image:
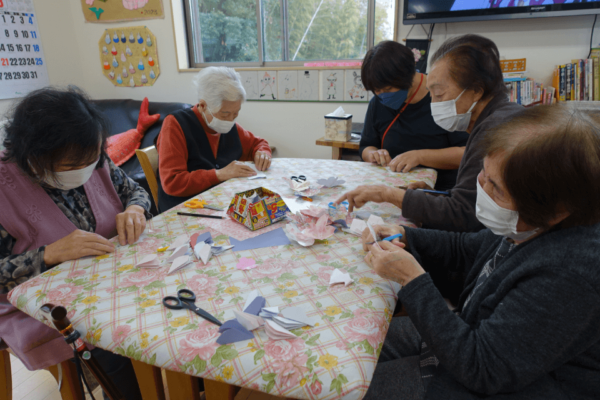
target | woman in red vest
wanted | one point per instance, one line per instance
(61, 198)
(202, 146)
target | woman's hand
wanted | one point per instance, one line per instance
(383, 231)
(406, 161)
(375, 193)
(378, 156)
(130, 225)
(75, 245)
(262, 160)
(235, 169)
(393, 263)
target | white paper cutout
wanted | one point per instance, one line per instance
(203, 252)
(358, 226)
(308, 85)
(179, 241)
(338, 276)
(355, 90)
(178, 252)
(375, 220)
(297, 314)
(287, 84)
(288, 323)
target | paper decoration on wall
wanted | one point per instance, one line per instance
(23, 62)
(121, 10)
(287, 84)
(129, 56)
(355, 91)
(333, 85)
(250, 84)
(267, 85)
(308, 85)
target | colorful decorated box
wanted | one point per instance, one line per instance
(257, 208)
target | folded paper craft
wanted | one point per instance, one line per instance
(150, 261)
(232, 331)
(276, 332)
(248, 321)
(297, 186)
(179, 263)
(250, 298)
(178, 242)
(330, 182)
(338, 276)
(256, 305)
(257, 208)
(178, 252)
(297, 314)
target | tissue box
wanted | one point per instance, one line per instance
(257, 208)
(338, 128)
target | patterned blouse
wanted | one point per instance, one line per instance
(18, 268)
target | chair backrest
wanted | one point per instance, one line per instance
(148, 158)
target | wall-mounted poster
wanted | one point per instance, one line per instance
(267, 85)
(308, 85)
(129, 56)
(332, 82)
(121, 10)
(250, 84)
(355, 91)
(21, 55)
(287, 84)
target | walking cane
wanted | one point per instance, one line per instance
(58, 315)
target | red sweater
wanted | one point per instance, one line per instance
(175, 179)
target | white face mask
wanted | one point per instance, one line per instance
(67, 180)
(444, 114)
(497, 219)
(218, 125)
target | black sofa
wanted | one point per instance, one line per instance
(123, 115)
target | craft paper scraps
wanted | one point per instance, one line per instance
(295, 234)
(245, 264)
(250, 298)
(297, 314)
(297, 186)
(273, 238)
(150, 261)
(310, 192)
(320, 230)
(288, 323)
(178, 242)
(232, 331)
(178, 252)
(331, 182)
(269, 312)
(256, 305)
(338, 276)
(314, 211)
(249, 321)
(276, 332)
(179, 263)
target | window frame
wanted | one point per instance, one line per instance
(193, 47)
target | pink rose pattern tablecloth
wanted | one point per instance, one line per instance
(118, 307)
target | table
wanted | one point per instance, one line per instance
(117, 307)
(337, 148)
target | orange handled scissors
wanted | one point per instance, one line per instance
(197, 203)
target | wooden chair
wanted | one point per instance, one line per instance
(148, 159)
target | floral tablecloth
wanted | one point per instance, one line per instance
(118, 307)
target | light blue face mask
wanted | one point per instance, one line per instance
(393, 100)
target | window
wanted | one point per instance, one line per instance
(285, 32)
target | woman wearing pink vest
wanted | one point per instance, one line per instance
(61, 198)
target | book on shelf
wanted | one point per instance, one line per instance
(579, 80)
(528, 92)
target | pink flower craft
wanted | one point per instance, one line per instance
(201, 343)
(245, 263)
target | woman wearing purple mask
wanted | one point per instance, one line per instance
(399, 130)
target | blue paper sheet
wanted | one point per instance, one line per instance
(233, 335)
(269, 239)
(231, 324)
(205, 237)
(257, 304)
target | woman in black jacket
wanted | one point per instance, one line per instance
(527, 325)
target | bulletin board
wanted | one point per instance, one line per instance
(129, 56)
(121, 10)
(21, 55)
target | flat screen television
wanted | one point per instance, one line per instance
(434, 11)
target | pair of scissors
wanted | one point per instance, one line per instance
(299, 179)
(196, 203)
(186, 299)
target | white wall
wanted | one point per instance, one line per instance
(71, 50)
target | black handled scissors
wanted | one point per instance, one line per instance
(298, 179)
(186, 299)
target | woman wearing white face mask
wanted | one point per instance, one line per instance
(467, 93)
(201, 147)
(526, 324)
(61, 198)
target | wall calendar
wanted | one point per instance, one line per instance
(22, 62)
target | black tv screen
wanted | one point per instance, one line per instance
(433, 11)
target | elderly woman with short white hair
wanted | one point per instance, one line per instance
(202, 146)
